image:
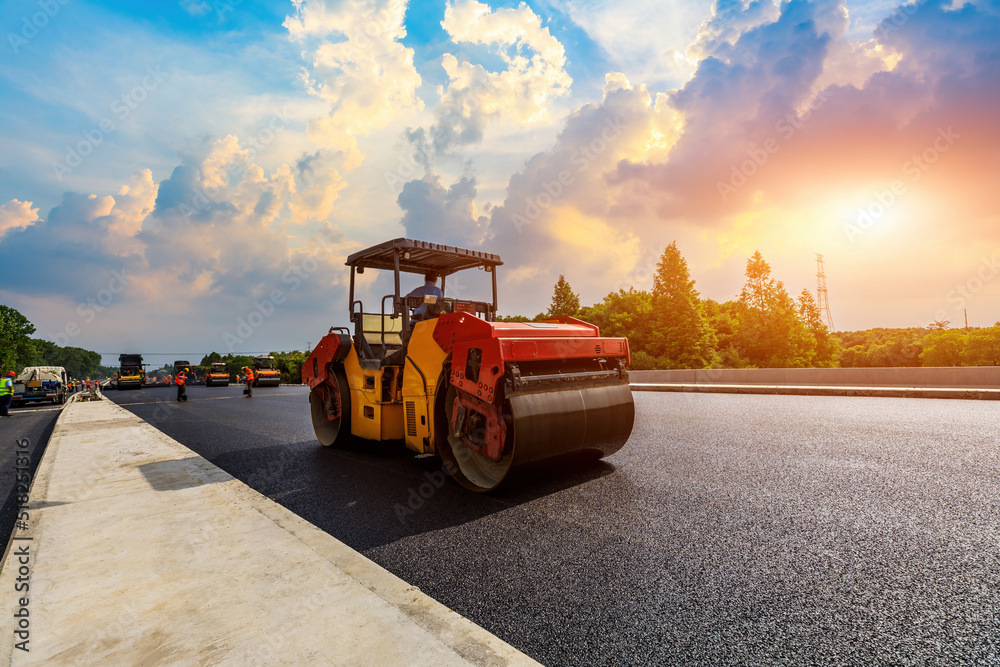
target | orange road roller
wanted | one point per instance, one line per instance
(483, 395)
(265, 374)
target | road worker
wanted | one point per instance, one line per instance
(249, 376)
(181, 381)
(6, 393)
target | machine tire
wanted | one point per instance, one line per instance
(330, 433)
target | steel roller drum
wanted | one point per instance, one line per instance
(546, 424)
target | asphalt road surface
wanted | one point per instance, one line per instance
(731, 529)
(32, 423)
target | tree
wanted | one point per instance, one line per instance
(79, 363)
(17, 350)
(826, 351)
(760, 291)
(564, 302)
(880, 347)
(724, 320)
(210, 358)
(681, 336)
(982, 347)
(771, 333)
(943, 348)
(290, 365)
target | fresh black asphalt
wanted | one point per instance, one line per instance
(22, 435)
(730, 530)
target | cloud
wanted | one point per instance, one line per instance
(562, 216)
(16, 215)
(196, 7)
(730, 19)
(521, 93)
(834, 113)
(357, 64)
(447, 215)
(318, 188)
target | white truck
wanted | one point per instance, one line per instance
(40, 383)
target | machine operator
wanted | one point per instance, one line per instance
(429, 288)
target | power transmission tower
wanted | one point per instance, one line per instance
(822, 298)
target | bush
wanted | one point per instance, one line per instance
(643, 361)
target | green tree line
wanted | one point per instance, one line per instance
(671, 326)
(18, 349)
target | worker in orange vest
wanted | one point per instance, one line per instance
(181, 381)
(249, 374)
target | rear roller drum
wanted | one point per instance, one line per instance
(331, 411)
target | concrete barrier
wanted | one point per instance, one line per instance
(966, 377)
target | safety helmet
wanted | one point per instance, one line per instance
(11, 374)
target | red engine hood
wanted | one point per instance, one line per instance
(459, 327)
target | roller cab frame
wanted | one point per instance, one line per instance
(483, 395)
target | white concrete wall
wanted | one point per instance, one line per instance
(961, 377)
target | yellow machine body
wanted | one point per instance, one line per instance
(396, 402)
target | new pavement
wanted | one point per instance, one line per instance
(731, 529)
(22, 436)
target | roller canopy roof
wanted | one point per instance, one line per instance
(423, 257)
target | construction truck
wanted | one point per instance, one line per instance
(40, 383)
(484, 396)
(217, 375)
(132, 372)
(265, 374)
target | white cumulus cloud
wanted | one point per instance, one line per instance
(358, 64)
(535, 72)
(15, 215)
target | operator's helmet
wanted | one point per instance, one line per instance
(11, 374)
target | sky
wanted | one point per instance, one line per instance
(184, 177)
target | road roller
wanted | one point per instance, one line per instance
(265, 374)
(442, 375)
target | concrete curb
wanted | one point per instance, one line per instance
(141, 551)
(807, 390)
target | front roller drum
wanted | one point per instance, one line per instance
(535, 426)
(331, 410)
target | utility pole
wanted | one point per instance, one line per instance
(966, 311)
(822, 297)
